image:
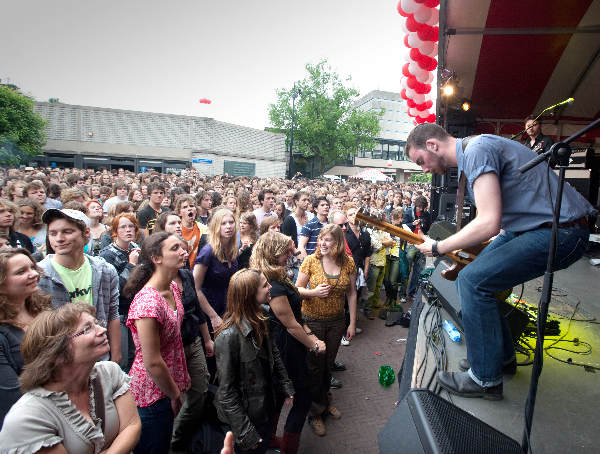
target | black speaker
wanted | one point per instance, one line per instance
(425, 423)
(446, 292)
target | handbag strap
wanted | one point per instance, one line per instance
(99, 401)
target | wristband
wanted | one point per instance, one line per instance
(434, 249)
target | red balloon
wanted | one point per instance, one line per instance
(411, 103)
(403, 94)
(419, 1)
(424, 106)
(428, 33)
(204, 101)
(411, 24)
(420, 120)
(405, 71)
(417, 86)
(431, 118)
(406, 41)
(400, 10)
(425, 62)
(429, 3)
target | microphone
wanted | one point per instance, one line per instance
(562, 103)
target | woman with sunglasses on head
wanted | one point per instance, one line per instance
(270, 255)
(159, 372)
(323, 313)
(73, 403)
(248, 364)
(20, 301)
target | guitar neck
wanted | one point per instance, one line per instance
(392, 229)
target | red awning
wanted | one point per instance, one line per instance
(515, 58)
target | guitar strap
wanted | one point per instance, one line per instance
(462, 184)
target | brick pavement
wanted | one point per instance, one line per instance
(365, 405)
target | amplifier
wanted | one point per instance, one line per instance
(425, 423)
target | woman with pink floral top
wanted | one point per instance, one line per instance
(159, 372)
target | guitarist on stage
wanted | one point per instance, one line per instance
(514, 208)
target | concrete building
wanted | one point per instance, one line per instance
(388, 154)
(93, 137)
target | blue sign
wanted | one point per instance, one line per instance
(202, 161)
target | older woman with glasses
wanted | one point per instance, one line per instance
(72, 402)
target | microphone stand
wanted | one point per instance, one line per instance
(560, 152)
(568, 101)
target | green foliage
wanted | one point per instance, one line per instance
(326, 125)
(420, 177)
(21, 129)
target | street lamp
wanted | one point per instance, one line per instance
(295, 93)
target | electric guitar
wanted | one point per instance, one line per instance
(460, 258)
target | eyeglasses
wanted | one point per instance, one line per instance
(367, 199)
(89, 328)
(343, 226)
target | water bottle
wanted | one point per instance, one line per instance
(453, 333)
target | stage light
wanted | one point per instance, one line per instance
(448, 90)
(466, 106)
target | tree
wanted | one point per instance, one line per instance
(326, 125)
(21, 129)
(420, 178)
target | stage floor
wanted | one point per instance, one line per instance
(567, 409)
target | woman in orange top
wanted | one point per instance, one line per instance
(332, 273)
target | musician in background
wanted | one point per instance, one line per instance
(517, 254)
(536, 141)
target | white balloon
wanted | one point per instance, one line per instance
(429, 78)
(419, 99)
(413, 40)
(424, 77)
(403, 25)
(427, 47)
(409, 6)
(403, 83)
(413, 67)
(422, 14)
(423, 113)
(435, 17)
(410, 93)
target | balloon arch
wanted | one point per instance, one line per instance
(420, 23)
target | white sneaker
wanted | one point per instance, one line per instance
(358, 331)
(344, 341)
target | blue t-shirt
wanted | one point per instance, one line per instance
(311, 230)
(525, 197)
(216, 279)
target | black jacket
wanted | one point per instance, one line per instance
(246, 393)
(360, 247)
(289, 228)
(17, 239)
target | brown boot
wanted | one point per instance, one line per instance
(290, 443)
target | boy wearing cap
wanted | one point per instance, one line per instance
(70, 275)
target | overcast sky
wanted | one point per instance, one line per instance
(163, 56)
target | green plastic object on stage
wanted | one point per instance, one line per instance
(386, 375)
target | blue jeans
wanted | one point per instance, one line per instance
(157, 427)
(417, 261)
(511, 259)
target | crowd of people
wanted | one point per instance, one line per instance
(124, 297)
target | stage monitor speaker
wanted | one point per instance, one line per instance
(448, 296)
(440, 230)
(446, 291)
(425, 423)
